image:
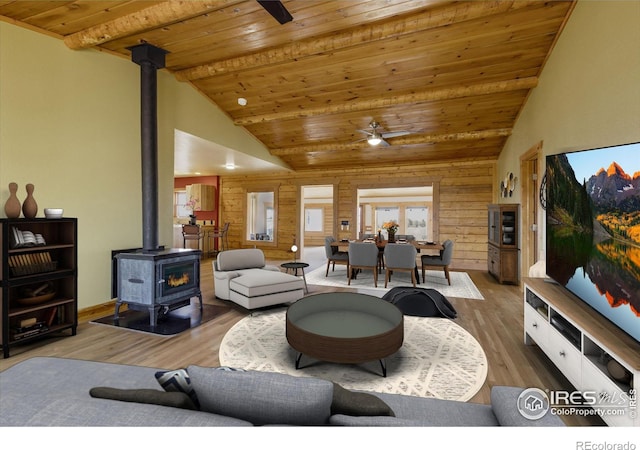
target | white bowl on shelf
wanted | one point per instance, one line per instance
(53, 213)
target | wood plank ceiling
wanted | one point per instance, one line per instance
(454, 74)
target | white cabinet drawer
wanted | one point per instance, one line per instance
(565, 356)
(536, 327)
(594, 380)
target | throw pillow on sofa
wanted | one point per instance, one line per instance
(263, 398)
(150, 396)
(179, 381)
(351, 403)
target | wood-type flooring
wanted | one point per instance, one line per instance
(496, 322)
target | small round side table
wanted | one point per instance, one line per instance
(294, 266)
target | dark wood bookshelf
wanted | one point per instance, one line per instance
(24, 268)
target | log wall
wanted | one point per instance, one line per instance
(461, 192)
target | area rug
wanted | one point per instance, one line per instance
(437, 359)
(461, 284)
(169, 324)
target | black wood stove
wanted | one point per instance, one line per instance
(159, 281)
(153, 278)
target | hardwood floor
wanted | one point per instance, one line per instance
(496, 322)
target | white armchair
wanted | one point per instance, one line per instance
(243, 277)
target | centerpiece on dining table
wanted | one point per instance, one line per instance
(391, 228)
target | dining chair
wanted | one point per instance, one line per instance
(364, 236)
(191, 233)
(442, 260)
(334, 255)
(400, 258)
(363, 256)
(405, 237)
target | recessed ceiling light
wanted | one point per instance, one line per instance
(230, 166)
(242, 101)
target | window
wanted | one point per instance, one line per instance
(313, 219)
(386, 215)
(414, 208)
(416, 222)
(179, 202)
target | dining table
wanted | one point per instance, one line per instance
(432, 247)
(419, 245)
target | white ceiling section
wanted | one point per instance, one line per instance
(194, 156)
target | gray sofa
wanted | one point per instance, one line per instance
(46, 391)
(243, 277)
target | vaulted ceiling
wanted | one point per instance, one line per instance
(452, 75)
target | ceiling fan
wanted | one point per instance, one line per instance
(376, 136)
(277, 10)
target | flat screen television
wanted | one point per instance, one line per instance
(593, 230)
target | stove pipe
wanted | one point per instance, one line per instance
(150, 59)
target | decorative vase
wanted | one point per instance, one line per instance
(29, 206)
(392, 236)
(12, 207)
(192, 219)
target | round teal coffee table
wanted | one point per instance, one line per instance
(344, 327)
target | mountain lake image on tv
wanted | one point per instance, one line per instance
(593, 230)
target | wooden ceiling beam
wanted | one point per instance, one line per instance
(406, 140)
(147, 19)
(432, 18)
(384, 102)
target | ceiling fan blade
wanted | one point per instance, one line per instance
(368, 133)
(393, 134)
(384, 143)
(277, 10)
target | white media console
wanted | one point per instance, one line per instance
(582, 344)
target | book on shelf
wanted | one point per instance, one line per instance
(28, 322)
(51, 315)
(25, 332)
(25, 328)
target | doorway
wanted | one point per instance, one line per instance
(317, 220)
(531, 175)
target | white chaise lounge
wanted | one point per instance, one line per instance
(243, 277)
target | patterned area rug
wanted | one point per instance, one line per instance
(438, 358)
(461, 284)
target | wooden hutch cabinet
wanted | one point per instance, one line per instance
(503, 259)
(38, 276)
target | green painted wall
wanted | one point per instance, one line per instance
(70, 124)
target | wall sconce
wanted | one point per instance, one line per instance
(508, 185)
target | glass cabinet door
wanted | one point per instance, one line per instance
(494, 226)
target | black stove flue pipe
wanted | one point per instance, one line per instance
(150, 59)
